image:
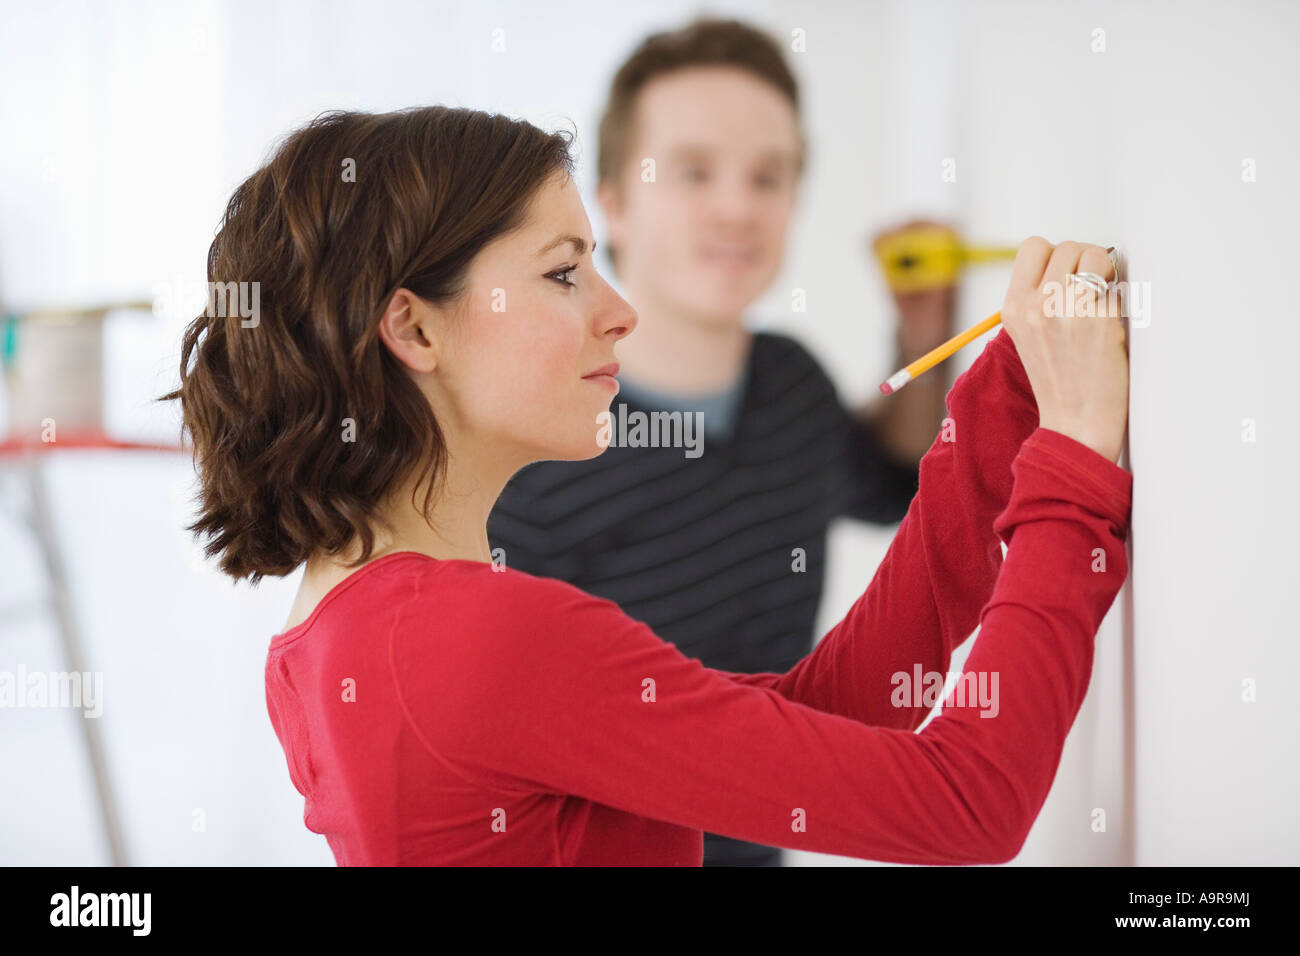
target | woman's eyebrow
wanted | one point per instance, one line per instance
(579, 245)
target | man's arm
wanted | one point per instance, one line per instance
(886, 438)
(906, 422)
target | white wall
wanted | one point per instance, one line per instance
(1216, 518)
(121, 153)
(1143, 146)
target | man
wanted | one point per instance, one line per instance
(719, 548)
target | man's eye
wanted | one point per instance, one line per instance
(558, 274)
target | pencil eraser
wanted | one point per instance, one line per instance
(884, 388)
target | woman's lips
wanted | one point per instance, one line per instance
(604, 376)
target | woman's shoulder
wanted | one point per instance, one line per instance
(494, 596)
(468, 626)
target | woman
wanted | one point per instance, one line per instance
(430, 322)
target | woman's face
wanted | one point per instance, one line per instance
(514, 373)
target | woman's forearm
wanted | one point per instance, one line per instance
(926, 596)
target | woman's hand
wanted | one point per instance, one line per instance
(1077, 362)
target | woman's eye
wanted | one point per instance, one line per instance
(559, 273)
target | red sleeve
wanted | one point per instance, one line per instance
(939, 571)
(530, 684)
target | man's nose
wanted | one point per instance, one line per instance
(733, 198)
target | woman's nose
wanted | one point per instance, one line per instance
(618, 318)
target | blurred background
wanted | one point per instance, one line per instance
(1166, 129)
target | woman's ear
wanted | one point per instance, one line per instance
(408, 327)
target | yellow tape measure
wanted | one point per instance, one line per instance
(930, 257)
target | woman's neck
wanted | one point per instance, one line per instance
(456, 528)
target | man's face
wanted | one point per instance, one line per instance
(706, 237)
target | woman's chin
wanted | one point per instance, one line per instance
(578, 448)
(591, 449)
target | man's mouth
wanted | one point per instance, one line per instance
(743, 256)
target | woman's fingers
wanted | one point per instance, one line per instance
(1078, 375)
(1040, 278)
(1095, 259)
(1031, 261)
(1065, 260)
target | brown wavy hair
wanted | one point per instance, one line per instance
(266, 402)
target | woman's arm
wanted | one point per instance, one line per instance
(530, 684)
(926, 596)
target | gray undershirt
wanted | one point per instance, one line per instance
(720, 409)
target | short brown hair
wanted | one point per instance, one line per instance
(266, 404)
(706, 41)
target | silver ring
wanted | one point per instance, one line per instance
(1090, 279)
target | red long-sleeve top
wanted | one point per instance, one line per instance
(443, 712)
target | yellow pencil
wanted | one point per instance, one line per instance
(933, 357)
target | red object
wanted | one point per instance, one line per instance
(93, 439)
(500, 718)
